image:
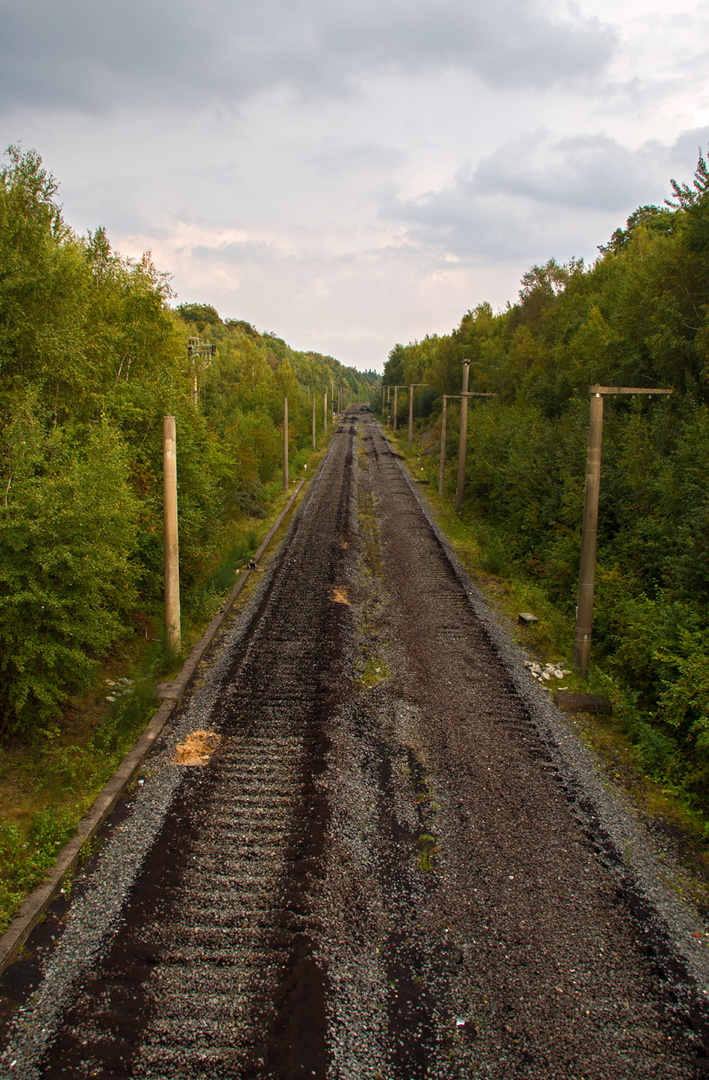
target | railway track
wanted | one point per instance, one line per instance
(379, 873)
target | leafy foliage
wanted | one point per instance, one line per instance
(639, 316)
(91, 358)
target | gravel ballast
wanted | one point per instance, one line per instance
(399, 861)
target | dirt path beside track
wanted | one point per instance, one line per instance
(382, 871)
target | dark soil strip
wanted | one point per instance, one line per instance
(200, 968)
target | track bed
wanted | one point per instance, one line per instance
(378, 873)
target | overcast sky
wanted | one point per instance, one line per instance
(355, 174)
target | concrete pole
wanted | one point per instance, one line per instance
(589, 535)
(411, 416)
(173, 639)
(463, 443)
(285, 444)
(313, 419)
(324, 411)
(396, 404)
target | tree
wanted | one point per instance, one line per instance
(685, 197)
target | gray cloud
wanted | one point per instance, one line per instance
(236, 253)
(682, 156)
(337, 156)
(471, 229)
(526, 198)
(96, 56)
(588, 171)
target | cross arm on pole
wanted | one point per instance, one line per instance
(626, 390)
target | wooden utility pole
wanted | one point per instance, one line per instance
(442, 464)
(285, 444)
(589, 529)
(173, 639)
(397, 388)
(463, 441)
(324, 411)
(313, 419)
(411, 411)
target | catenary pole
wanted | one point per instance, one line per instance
(589, 537)
(589, 528)
(285, 444)
(463, 441)
(173, 639)
(442, 463)
(397, 388)
(411, 411)
(411, 416)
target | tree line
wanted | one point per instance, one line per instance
(638, 316)
(91, 357)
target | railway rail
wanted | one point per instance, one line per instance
(390, 866)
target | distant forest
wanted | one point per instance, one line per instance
(639, 316)
(91, 358)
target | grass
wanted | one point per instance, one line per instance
(623, 743)
(428, 850)
(372, 668)
(46, 787)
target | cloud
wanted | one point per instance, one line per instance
(98, 56)
(683, 155)
(236, 253)
(540, 196)
(590, 171)
(335, 155)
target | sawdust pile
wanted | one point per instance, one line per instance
(197, 748)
